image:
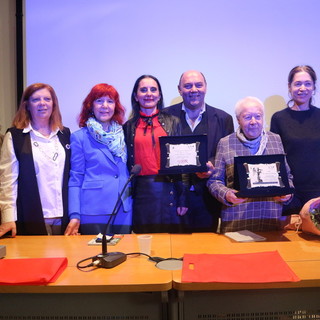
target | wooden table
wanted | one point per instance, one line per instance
(135, 288)
(286, 300)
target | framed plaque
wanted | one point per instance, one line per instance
(261, 176)
(183, 154)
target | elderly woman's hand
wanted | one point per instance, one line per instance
(8, 226)
(285, 198)
(232, 198)
(73, 228)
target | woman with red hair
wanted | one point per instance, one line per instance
(98, 166)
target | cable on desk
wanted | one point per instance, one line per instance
(154, 259)
(93, 265)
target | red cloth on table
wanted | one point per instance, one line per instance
(38, 271)
(237, 268)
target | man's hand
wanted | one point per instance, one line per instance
(8, 226)
(204, 175)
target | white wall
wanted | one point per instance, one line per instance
(243, 47)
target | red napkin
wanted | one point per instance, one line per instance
(37, 271)
(237, 268)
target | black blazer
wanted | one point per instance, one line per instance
(220, 124)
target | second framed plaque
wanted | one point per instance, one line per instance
(261, 176)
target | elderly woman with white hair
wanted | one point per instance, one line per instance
(254, 214)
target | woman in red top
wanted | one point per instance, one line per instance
(159, 203)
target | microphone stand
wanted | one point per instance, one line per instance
(112, 259)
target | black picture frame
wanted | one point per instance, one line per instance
(261, 176)
(197, 143)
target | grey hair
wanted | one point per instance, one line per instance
(241, 103)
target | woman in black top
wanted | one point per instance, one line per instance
(299, 128)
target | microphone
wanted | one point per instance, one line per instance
(136, 169)
(112, 259)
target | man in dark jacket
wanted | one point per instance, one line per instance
(199, 118)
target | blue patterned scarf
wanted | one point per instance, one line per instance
(113, 138)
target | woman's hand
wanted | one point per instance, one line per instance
(73, 228)
(232, 198)
(182, 211)
(8, 226)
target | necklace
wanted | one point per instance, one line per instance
(45, 152)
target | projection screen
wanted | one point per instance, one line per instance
(243, 47)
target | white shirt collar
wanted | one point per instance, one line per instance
(30, 128)
(203, 108)
(194, 124)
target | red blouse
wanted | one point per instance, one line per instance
(146, 144)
